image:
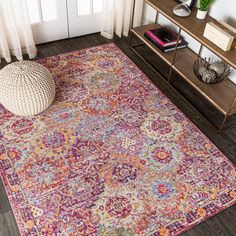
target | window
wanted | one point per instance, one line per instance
(42, 10)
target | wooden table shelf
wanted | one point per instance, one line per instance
(193, 27)
(221, 95)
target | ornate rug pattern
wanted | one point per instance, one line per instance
(111, 156)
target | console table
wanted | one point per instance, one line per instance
(222, 95)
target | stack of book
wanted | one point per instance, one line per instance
(165, 39)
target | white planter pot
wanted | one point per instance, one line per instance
(201, 14)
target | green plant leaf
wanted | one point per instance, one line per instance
(205, 4)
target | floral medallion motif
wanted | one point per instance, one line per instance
(128, 118)
(14, 153)
(118, 207)
(22, 129)
(54, 140)
(165, 158)
(124, 172)
(162, 155)
(22, 126)
(103, 83)
(142, 225)
(55, 143)
(163, 189)
(161, 126)
(158, 127)
(43, 174)
(62, 116)
(70, 93)
(137, 102)
(107, 63)
(98, 105)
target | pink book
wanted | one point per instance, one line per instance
(167, 41)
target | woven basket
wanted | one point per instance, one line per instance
(26, 88)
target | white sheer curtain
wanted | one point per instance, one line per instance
(117, 15)
(15, 32)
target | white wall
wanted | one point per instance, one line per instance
(221, 10)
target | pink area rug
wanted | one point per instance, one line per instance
(111, 156)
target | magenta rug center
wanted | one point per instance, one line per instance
(111, 156)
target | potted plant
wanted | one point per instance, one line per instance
(203, 8)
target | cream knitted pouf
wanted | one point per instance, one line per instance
(26, 88)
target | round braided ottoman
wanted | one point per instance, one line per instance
(26, 88)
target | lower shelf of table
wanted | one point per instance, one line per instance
(220, 95)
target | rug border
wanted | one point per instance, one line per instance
(19, 224)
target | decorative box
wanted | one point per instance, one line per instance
(221, 34)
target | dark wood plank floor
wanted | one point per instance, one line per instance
(222, 224)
